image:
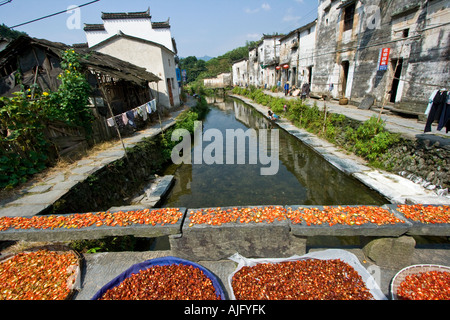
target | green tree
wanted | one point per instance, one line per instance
(70, 102)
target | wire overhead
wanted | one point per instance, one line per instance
(5, 2)
(52, 15)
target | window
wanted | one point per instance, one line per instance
(349, 14)
(405, 33)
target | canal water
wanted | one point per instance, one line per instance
(303, 177)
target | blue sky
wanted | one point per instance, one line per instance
(200, 27)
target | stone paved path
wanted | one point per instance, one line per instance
(408, 127)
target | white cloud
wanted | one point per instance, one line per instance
(265, 6)
(300, 1)
(251, 11)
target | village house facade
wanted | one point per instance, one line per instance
(297, 56)
(122, 86)
(134, 38)
(394, 52)
(268, 59)
(223, 80)
(240, 73)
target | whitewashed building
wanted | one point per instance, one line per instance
(222, 80)
(268, 58)
(240, 73)
(394, 51)
(133, 37)
(297, 55)
(253, 66)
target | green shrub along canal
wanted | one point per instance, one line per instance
(303, 177)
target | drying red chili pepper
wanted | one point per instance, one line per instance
(310, 279)
(171, 282)
(431, 285)
(84, 220)
(358, 215)
(219, 216)
(426, 214)
(40, 275)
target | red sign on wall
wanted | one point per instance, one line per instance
(384, 58)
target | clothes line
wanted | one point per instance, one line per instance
(128, 117)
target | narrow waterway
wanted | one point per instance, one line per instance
(303, 177)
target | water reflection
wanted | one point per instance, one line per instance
(303, 176)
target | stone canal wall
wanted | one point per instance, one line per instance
(419, 168)
(115, 183)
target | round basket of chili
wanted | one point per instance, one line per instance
(167, 278)
(421, 282)
(49, 272)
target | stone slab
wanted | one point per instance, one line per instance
(395, 188)
(93, 232)
(23, 210)
(84, 170)
(40, 189)
(42, 198)
(368, 229)
(424, 229)
(257, 240)
(163, 186)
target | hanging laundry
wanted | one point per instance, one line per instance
(437, 109)
(119, 121)
(110, 122)
(142, 111)
(430, 102)
(124, 118)
(153, 105)
(149, 108)
(130, 116)
(444, 121)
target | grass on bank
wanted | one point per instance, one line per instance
(369, 140)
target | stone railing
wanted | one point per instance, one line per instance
(257, 234)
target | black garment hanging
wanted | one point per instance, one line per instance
(438, 107)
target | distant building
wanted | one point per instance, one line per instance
(396, 51)
(297, 55)
(223, 80)
(268, 58)
(133, 37)
(253, 66)
(240, 73)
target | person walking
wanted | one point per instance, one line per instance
(286, 88)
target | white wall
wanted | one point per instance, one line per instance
(139, 28)
(151, 57)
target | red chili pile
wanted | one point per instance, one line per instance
(426, 214)
(79, 221)
(40, 275)
(431, 285)
(342, 215)
(219, 216)
(172, 282)
(310, 279)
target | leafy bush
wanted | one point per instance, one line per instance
(24, 147)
